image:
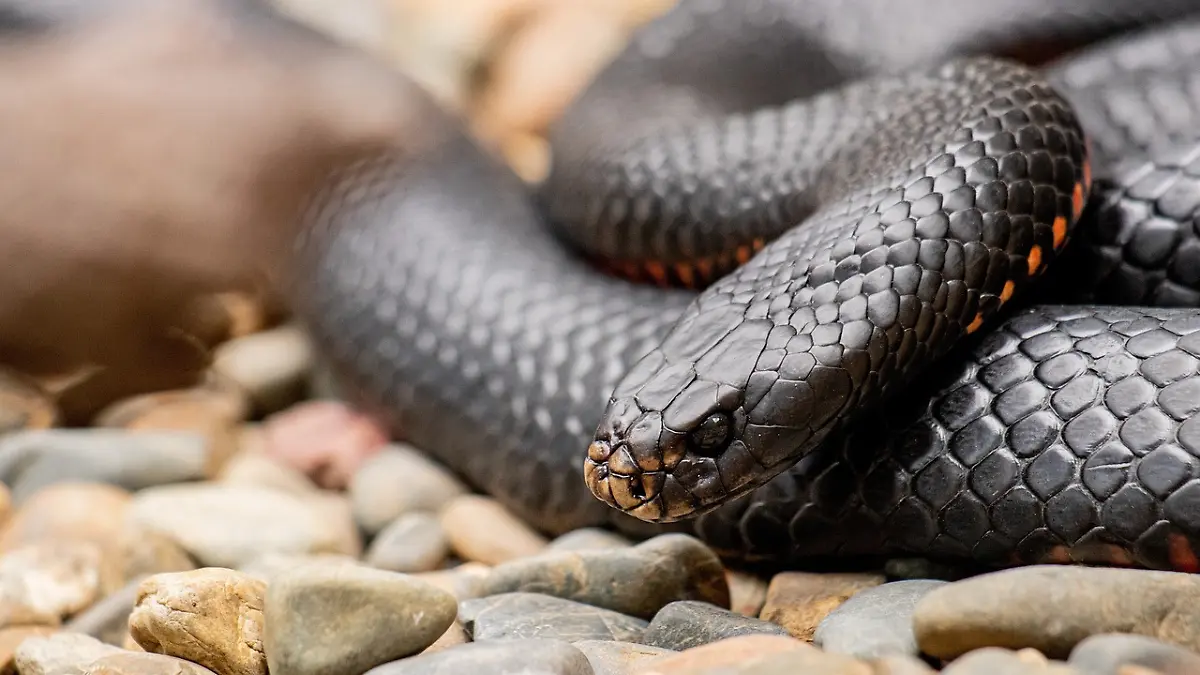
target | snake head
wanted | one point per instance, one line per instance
(720, 408)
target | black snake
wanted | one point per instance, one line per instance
(872, 198)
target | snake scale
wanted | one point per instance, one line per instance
(809, 279)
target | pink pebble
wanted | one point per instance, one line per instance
(327, 440)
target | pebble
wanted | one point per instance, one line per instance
(533, 615)
(270, 366)
(414, 542)
(60, 654)
(32, 460)
(210, 616)
(328, 441)
(398, 480)
(107, 620)
(258, 470)
(1110, 653)
(798, 601)
(142, 663)
(997, 661)
(733, 652)
(619, 658)
(465, 581)
(44, 582)
(140, 552)
(454, 636)
(212, 410)
(638, 580)
(805, 661)
(688, 623)
(231, 525)
(68, 510)
(875, 621)
(11, 638)
(587, 539)
(900, 665)
(747, 593)
(480, 529)
(505, 657)
(345, 619)
(24, 405)
(1052, 608)
(268, 566)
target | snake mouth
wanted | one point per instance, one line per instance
(652, 496)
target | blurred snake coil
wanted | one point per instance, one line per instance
(810, 280)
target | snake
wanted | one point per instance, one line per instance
(807, 280)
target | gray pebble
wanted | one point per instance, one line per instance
(619, 658)
(875, 621)
(1109, 653)
(414, 542)
(271, 366)
(506, 657)
(589, 538)
(108, 619)
(397, 480)
(533, 615)
(31, 460)
(688, 623)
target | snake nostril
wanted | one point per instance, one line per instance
(637, 490)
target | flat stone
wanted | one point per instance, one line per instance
(480, 529)
(346, 619)
(11, 638)
(1111, 653)
(142, 663)
(997, 661)
(414, 542)
(798, 601)
(465, 581)
(588, 539)
(689, 623)
(875, 621)
(108, 619)
(731, 653)
(43, 583)
(271, 366)
(326, 440)
(397, 480)
(258, 470)
(231, 525)
(267, 567)
(505, 657)
(1052, 608)
(210, 616)
(532, 615)
(638, 580)
(747, 592)
(60, 654)
(32, 460)
(619, 658)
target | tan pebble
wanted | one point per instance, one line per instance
(25, 404)
(398, 480)
(454, 636)
(900, 664)
(738, 651)
(129, 644)
(528, 154)
(270, 366)
(798, 601)
(60, 654)
(211, 616)
(141, 663)
(140, 552)
(68, 510)
(257, 469)
(998, 661)
(464, 582)
(544, 66)
(589, 538)
(230, 525)
(44, 582)
(480, 529)
(325, 440)
(11, 638)
(747, 592)
(246, 313)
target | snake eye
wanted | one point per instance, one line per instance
(710, 438)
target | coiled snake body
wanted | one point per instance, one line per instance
(856, 215)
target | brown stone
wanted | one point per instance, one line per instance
(68, 510)
(738, 651)
(747, 592)
(25, 404)
(480, 529)
(211, 616)
(798, 601)
(135, 663)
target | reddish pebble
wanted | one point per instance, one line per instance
(326, 440)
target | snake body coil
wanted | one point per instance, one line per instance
(864, 209)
